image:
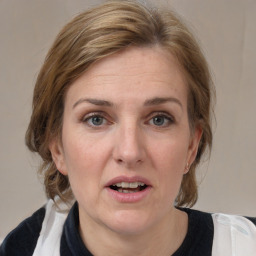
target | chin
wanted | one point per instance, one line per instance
(130, 222)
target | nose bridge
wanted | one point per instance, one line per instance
(129, 148)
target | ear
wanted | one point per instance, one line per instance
(58, 155)
(194, 144)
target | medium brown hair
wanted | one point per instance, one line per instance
(93, 35)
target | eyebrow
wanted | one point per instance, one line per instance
(96, 102)
(149, 102)
(158, 101)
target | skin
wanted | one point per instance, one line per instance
(112, 126)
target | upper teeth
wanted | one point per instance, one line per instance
(128, 184)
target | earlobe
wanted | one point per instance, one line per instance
(58, 156)
(187, 168)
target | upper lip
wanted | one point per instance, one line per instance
(128, 179)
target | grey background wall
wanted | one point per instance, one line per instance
(227, 32)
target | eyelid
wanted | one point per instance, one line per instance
(85, 119)
(92, 114)
(161, 113)
(169, 119)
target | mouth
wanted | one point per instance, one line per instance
(125, 189)
(128, 187)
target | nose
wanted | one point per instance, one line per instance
(129, 149)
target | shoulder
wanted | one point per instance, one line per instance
(220, 234)
(241, 223)
(233, 233)
(52, 228)
(22, 240)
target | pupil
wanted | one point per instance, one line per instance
(158, 120)
(96, 120)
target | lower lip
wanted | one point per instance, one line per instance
(129, 197)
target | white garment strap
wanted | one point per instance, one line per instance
(48, 242)
(233, 236)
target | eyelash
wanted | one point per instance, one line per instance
(90, 116)
(168, 119)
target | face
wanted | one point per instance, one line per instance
(126, 140)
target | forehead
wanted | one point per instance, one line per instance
(145, 71)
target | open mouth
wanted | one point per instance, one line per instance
(128, 187)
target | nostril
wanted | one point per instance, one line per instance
(119, 161)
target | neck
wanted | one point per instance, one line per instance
(164, 238)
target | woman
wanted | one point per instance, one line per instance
(121, 118)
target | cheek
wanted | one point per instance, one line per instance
(169, 161)
(83, 169)
(80, 150)
(170, 154)
(85, 160)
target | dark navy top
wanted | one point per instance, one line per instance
(22, 240)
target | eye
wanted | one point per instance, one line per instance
(161, 120)
(95, 120)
